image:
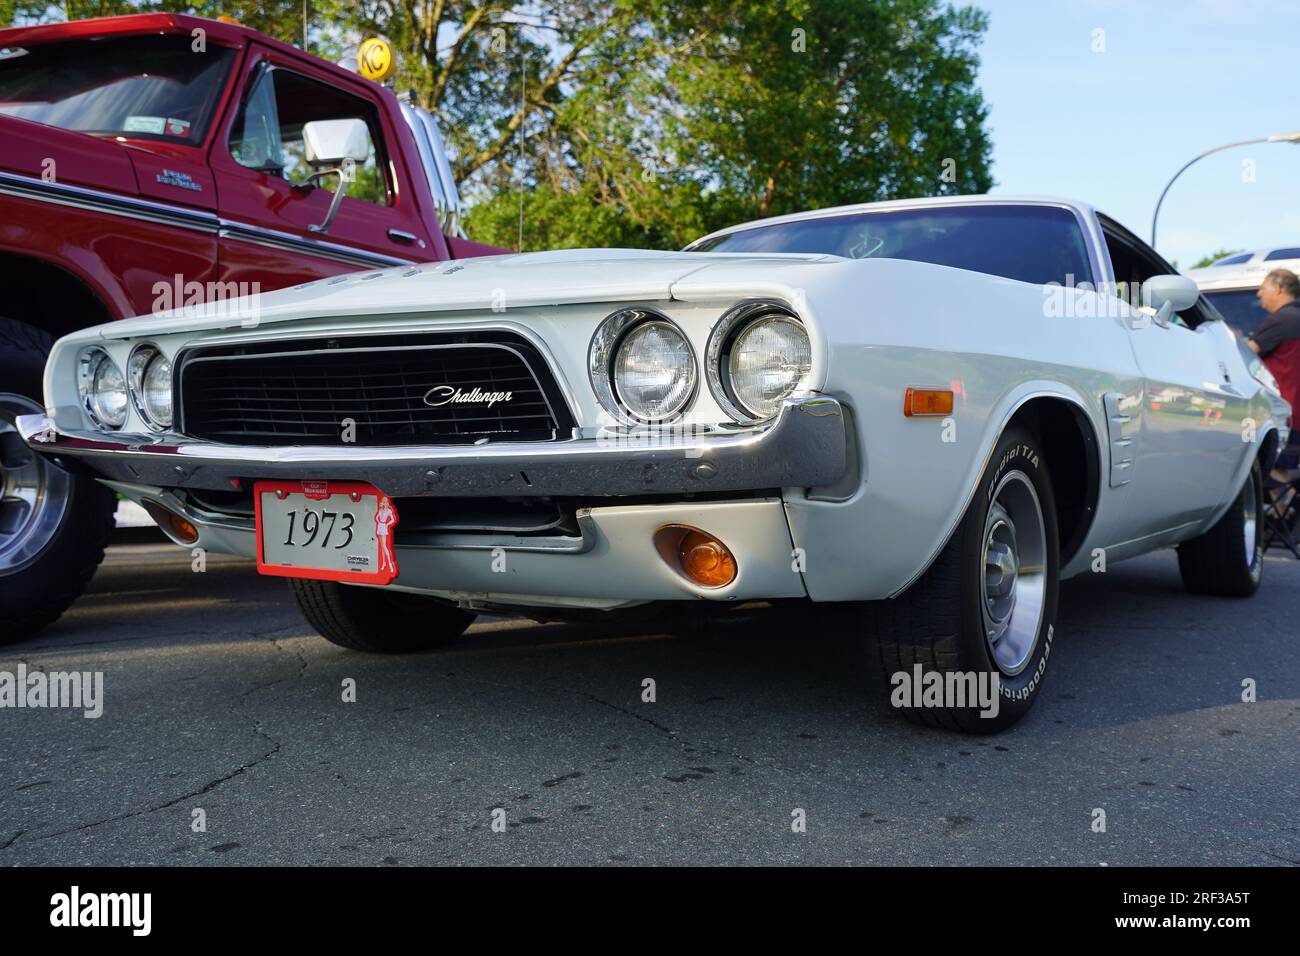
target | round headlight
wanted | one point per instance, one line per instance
(654, 371)
(103, 389)
(150, 374)
(766, 362)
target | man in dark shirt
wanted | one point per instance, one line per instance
(1277, 340)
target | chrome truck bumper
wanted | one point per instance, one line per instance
(804, 447)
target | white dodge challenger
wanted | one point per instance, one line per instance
(926, 412)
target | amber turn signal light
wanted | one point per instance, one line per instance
(705, 560)
(182, 531)
(927, 401)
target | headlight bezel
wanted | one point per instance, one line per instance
(603, 353)
(138, 364)
(717, 363)
(89, 364)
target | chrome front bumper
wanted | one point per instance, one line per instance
(804, 447)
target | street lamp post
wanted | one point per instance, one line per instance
(1278, 138)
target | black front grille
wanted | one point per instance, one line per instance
(302, 392)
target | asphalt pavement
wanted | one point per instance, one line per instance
(226, 738)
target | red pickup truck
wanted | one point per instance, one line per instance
(159, 160)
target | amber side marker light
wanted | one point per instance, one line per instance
(697, 555)
(927, 401)
(181, 530)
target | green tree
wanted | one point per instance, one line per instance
(754, 109)
(651, 122)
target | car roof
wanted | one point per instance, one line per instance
(1248, 274)
(221, 32)
(891, 204)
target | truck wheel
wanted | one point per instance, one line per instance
(1228, 560)
(981, 618)
(54, 524)
(378, 620)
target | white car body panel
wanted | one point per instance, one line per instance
(876, 327)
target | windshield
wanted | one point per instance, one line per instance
(1038, 244)
(1239, 307)
(150, 87)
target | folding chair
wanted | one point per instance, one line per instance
(1282, 505)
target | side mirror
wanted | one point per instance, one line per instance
(1169, 294)
(335, 147)
(333, 142)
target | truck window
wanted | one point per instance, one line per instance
(1037, 244)
(147, 87)
(267, 133)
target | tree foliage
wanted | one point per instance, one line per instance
(651, 122)
(746, 110)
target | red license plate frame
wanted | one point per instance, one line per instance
(386, 570)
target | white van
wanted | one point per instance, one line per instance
(1230, 283)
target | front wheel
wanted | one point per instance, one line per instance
(1228, 560)
(54, 524)
(966, 647)
(378, 620)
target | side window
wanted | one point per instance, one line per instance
(1133, 266)
(255, 139)
(1237, 259)
(267, 134)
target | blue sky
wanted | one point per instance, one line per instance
(1176, 78)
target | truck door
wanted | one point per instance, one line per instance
(268, 207)
(104, 142)
(1189, 442)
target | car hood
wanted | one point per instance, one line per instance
(496, 283)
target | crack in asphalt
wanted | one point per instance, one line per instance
(297, 652)
(275, 643)
(685, 744)
(634, 715)
(206, 788)
(211, 784)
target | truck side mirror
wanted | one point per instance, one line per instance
(331, 142)
(335, 146)
(1168, 294)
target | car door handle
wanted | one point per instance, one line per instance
(399, 235)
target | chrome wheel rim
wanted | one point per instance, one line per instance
(1250, 518)
(1013, 582)
(33, 491)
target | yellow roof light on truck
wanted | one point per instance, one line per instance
(375, 60)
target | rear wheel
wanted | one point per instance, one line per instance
(376, 619)
(1228, 560)
(966, 647)
(54, 524)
